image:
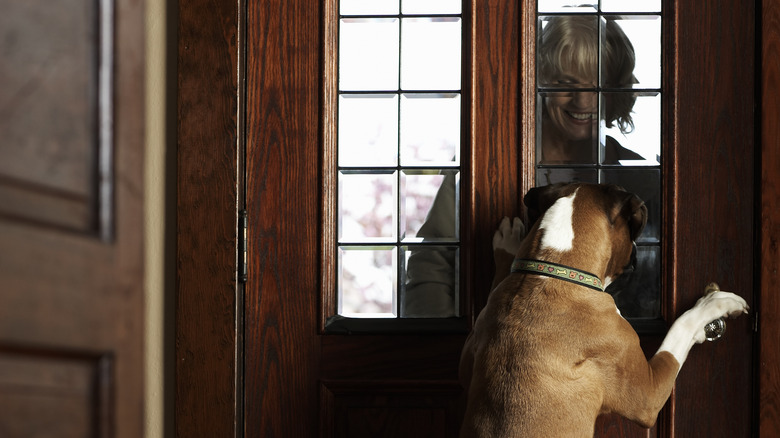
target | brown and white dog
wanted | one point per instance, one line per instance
(548, 355)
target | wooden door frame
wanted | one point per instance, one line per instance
(209, 300)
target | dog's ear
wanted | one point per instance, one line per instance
(635, 211)
(539, 199)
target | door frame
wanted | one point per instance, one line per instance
(209, 298)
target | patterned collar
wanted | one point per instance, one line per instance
(557, 271)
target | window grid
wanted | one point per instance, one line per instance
(398, 243)
(650, 242)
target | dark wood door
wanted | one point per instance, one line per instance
(263, 361)
(71, 219)
(406, 384)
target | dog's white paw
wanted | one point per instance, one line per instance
(718, 304)
(509, 235)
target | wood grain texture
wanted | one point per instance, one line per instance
(206, 304)
(769, 356)
(714, 206)
(283, 192)
(493, 138)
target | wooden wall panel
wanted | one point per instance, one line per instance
(388, 409)
(207, 361)
(283, 205)
(714, 206)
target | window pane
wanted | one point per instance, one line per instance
(631, 6)
(368, 54)
(430, 54)
(638, 295)
(367, 207)
(368, 7)
(368, 130)
(645, 183)
(640, 145)
(430, 282)
(567, 54)
(631, 52)
(430, 129)
(367, 286)
(431, 6)
(567, 6)
(429, 205)
(545, 176)
(567, 127)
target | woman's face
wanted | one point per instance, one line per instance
(574, 115)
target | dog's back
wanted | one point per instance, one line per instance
(533, 361)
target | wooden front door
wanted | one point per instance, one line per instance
(71, 219)
(277, 371)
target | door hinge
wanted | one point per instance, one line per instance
(242, 246)
(755, 321)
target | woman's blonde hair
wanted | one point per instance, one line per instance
(569, 46)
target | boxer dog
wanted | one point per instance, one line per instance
(550, 351)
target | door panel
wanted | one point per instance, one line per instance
(71, 219)
(713, 201)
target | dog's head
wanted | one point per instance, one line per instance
(604, 208)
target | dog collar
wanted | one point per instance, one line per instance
(557, 271)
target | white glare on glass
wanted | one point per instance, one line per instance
(368, 278)
(430, 54)
(368, 7)
(368, 130)
(368, 54)
(631, 6)
(567, 6)
(644, 32)
(367, 207)
(430, 129)
(430, 6)
(645, 139)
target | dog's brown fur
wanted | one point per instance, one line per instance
(546, 356)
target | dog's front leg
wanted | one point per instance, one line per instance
(644, 393)
(688, 329)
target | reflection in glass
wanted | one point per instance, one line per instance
(368, 54)
(430, 129)
(419, 190)
(430, 53)
(368, 130)
(368, 7)
(368, 281)
(430, 282)
(367, 207)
